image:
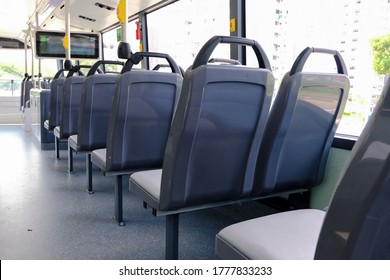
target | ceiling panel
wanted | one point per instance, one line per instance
(14, 16)
(89, 16)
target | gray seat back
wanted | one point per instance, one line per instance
(357, 225)
(141, 116)
(95, 108)
(70, 105)
(28, 85)
(217, 127)
(56, 92)
(45, 84)
(22, 89)
(301, 127)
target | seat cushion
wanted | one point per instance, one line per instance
(291, 235)
(57, 132)
(72, 142)
(46, 125)
(147, 185)
(98, 157)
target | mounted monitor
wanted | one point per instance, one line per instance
(49, 44)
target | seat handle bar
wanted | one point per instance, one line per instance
(204, 54)
(76, 69)
(138, 56)
(304, 55)
(96, 66)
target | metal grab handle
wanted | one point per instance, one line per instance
(138, 56)
(224, 60)
(59, 73)
(96, 66)
(75, 69)
(204, 54)
(304, 55)
(158, 66)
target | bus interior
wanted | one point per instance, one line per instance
(194, 129)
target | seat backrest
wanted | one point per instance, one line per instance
(95, 108)
(141, 115)
(22, 89)
(357, 225)
(217, 127)
(28, 85)
(56, 89)
(301, 127)
(45, 84)
(70, 105)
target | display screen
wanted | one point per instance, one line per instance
(82, 45)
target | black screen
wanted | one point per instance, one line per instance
(82, 45)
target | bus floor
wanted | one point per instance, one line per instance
(45, 212)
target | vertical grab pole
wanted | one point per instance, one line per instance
(125, 24)
(32, 56)
(25, 56)
(123, 15)
(67, 30)
(39, 60)
(25, 72)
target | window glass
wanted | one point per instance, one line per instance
(12, 69)
(111, 41)
(285, 27)
(183, 27)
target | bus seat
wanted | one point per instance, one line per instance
(56, 91)
(141, 115)
(69, 114)
(301, 127)
(22, 90)
(217, 128)
(356, 225)
(28, 85)
(45, 84)
(94, 113)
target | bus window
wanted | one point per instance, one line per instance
(284, 28)
(111, 40)
(182, 28)
(49, 67)
(12, 69)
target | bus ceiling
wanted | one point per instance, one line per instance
(85, 15)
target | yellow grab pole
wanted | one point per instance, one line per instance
(67, 30)
(123, 15)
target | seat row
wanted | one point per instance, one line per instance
(120, 122)
(212, 137)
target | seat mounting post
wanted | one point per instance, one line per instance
(70, 159)
(88, 164)
(119, 201)
(172, 237)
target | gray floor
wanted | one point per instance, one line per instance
(46, 214)
(10, 112)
